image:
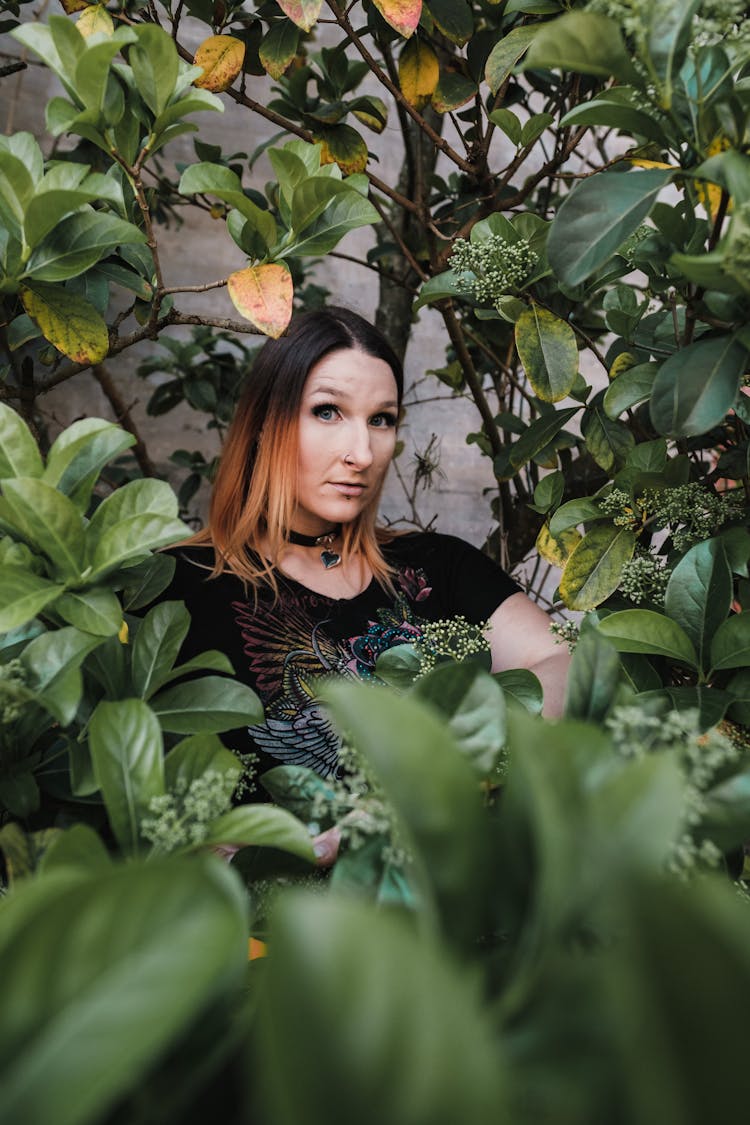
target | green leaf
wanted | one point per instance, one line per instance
(506, 53)
(79, 847)
(348, 211)
(79, 242)
(23, 596)
(19, 454)
(454, 18)
(145, 581)
(644, 630)
(474, 706)
(298, 789)
(431, 1045)
(446, 284)
(593, 679)
(594, 567)
(53, 660)
(629, 388)
(96, 610)
(573, 512)
(262, 826)
(138, 517)
(123, 960)
(216, 179)
(398, 666)
(155, 66)
(92, 75)
(193, 756)
(310, 199)
(549, 492)
(210, 703)
(157, 645)
(699, 594)
(279, 47)
(534, 127)
(696, 387)
(539, 434)
(523, 687)
(615, 114)
(194, 101)
(48, 520)
(510, 124)
(608, 441)
(597, 217)
(584, 42)
(451, 92)
(433, 791)
(19, 794)
(548, 350)
(79, 453)
(127, 752)
(730, 647)
(16, 188)
(669, 33)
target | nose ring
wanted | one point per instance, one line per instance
(348, 459)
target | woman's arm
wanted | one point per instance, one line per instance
(520, 637)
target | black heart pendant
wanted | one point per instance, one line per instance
(330, 559)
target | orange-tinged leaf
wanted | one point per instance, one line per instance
(343, 145)
(263, 295)
(255, 949)
(95, 19)
(402, 15)
(221, 57)
(71, 6)
(68, 321)
(418, 72)
(302, 12)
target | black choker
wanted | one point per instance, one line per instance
(328, 558)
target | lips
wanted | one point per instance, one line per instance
(347, 488)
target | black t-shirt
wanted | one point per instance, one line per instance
(284, 649)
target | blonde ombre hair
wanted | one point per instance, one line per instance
(254, 494)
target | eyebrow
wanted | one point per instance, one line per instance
(337, 392)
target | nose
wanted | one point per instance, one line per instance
(358, 447)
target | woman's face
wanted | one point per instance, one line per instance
(346, 438)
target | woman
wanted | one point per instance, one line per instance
(292, 578)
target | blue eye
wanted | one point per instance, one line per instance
(385, 419)
(326, 411)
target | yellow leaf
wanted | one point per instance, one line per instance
(67, 321)
(623, 362)
(710, 194)
(557, 550)
(343, 145)
(418, 72)
(124, 635)
(256, 949)
(95, 19)
(640, 163)
(402, 15)
(263, 295)
(71, 6)
(302, 12)
(221, 57)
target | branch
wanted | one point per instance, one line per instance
(124, 418)
(473, 381)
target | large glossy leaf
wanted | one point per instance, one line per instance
(614, 113)
(629, 388)
(539, 434)
(584, 42)
(193, 756)
(347, 211)
(96, 610)
(428, 1041)
(644, 630)
(573, 512)
(216, 179)
(121, 961)
(522, 686)
(145, 581)
(730, 647)
(211, 703)
(607, 440)
(597, 217)
(79, 242)
(398, 666)
(49, 521)
(155, 66)
(699, 594)
(262, 826)
(434, 792)
(53, 661)
(696, 387)
(669, 34)
(19, 453)
(506, 53)
(472, 702)
(594, 567)
(128, 756)
(138, 517)
(22, 596)
(157, 645)
(593, 678)
(548, 350)
(80, 452)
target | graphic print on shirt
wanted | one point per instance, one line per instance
(291, 657)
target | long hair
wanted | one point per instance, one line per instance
(254, 492)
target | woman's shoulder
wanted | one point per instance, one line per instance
(413, 545)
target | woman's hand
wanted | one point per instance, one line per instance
(326, 847)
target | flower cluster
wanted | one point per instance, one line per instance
(565, 632)
(183, 817)
(14, 691)
(645, 578)
(453, 638)
(499, 267)
(691, 512)
(702, 758)
(716, 21)
(623, 510)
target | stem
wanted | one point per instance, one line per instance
(124, 418)
(473, 380)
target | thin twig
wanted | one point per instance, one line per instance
(124, 418)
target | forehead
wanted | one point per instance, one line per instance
(351, 372)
